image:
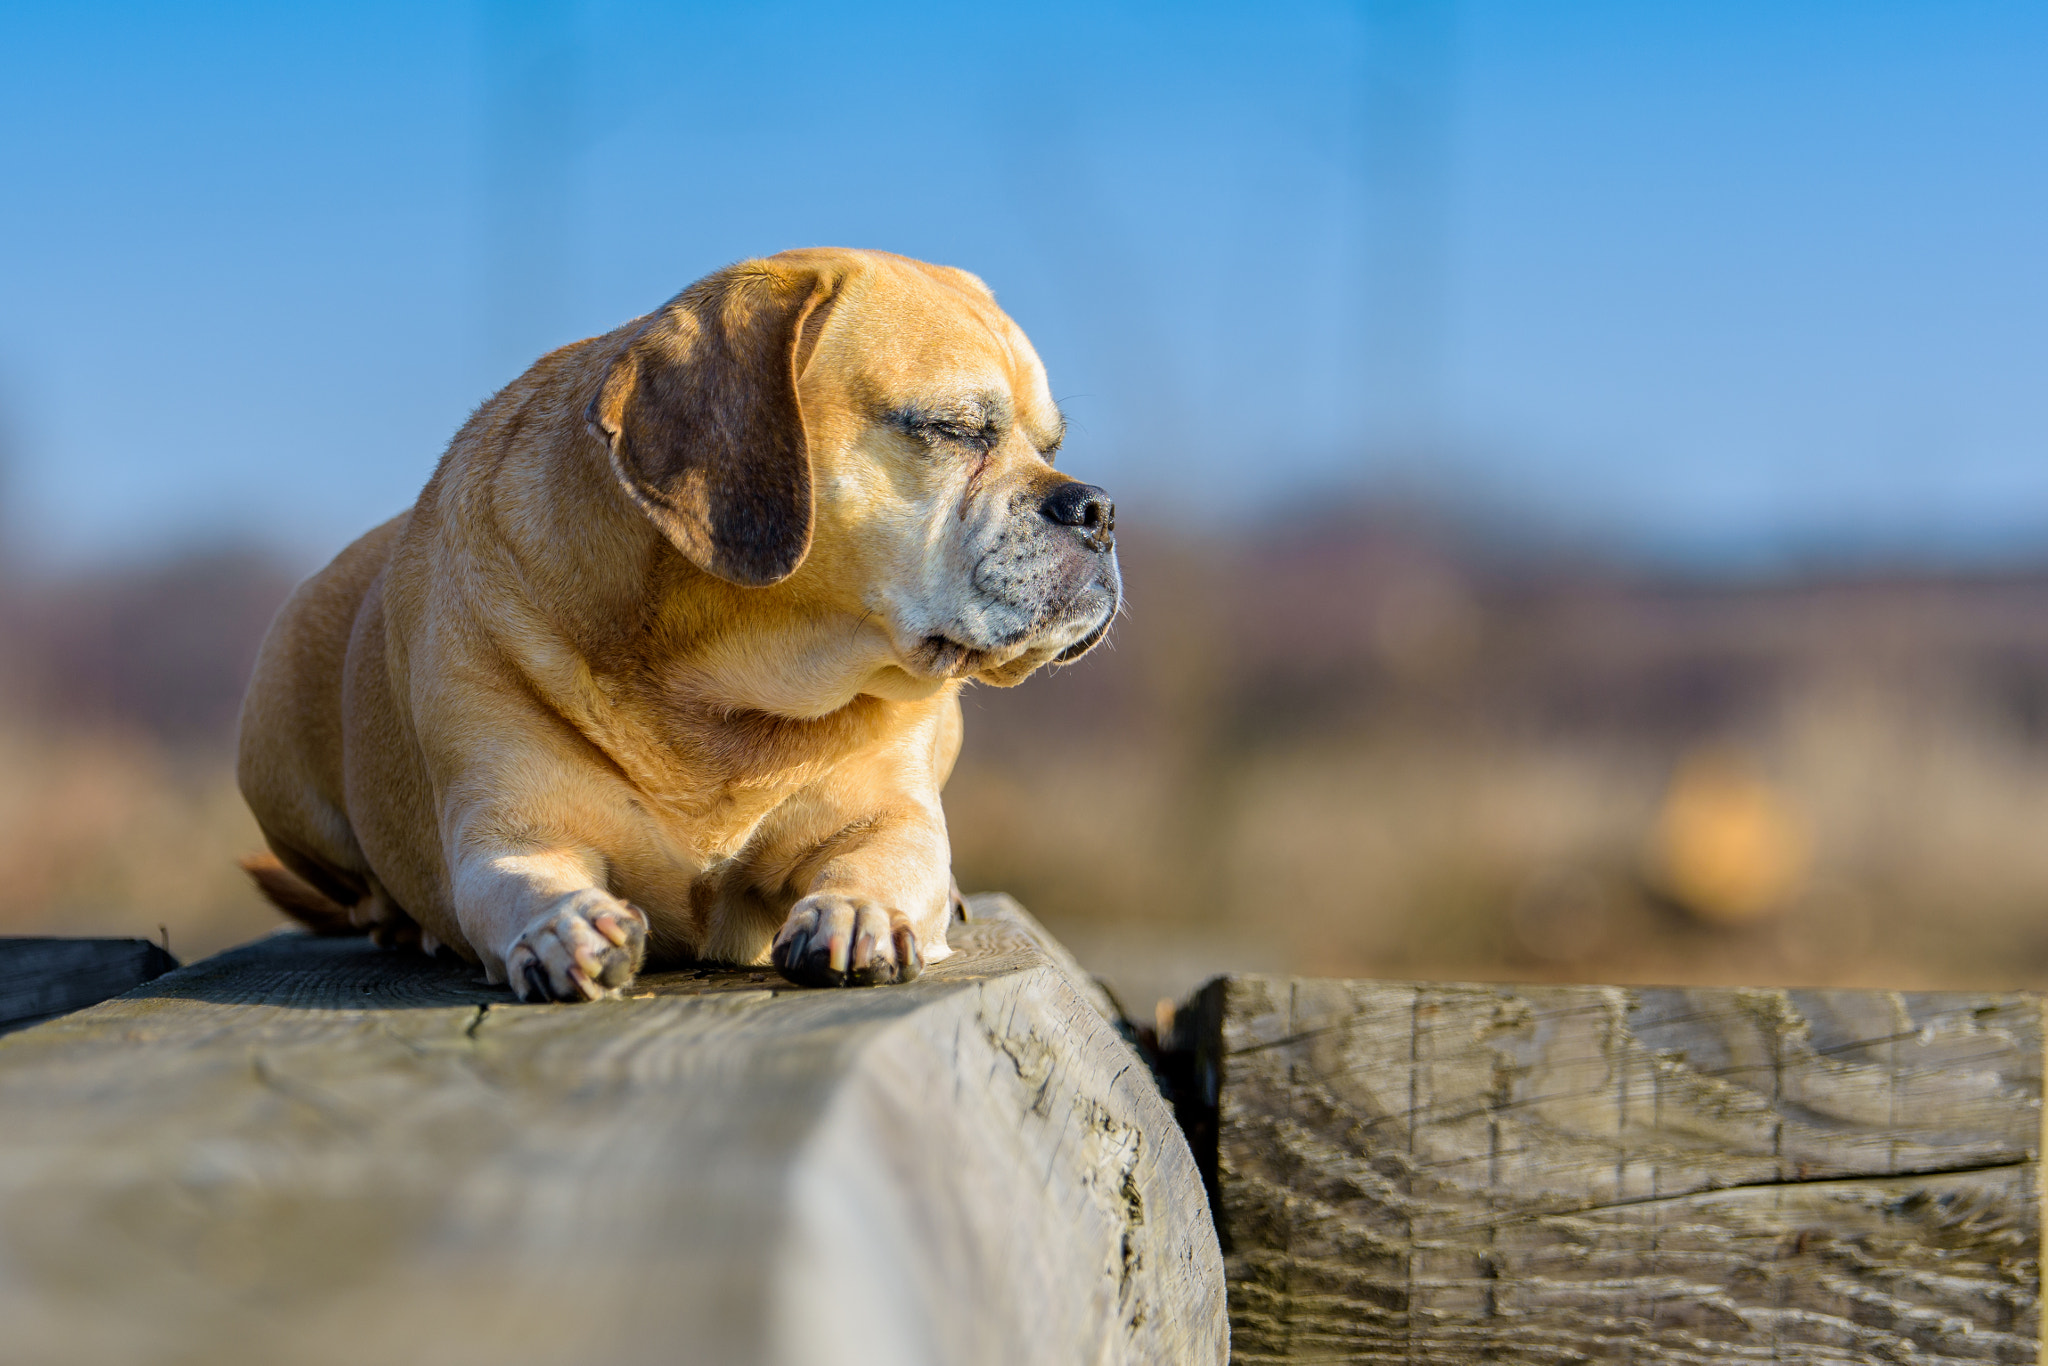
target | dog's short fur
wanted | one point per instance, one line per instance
(666, 658)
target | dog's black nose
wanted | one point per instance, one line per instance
(1087, 509)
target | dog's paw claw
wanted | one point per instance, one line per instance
(840, 941)
(585, 947)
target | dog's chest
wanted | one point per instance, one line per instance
(726, 792)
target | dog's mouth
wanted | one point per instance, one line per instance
(1087, 642)
(941, 656)
(1112, 590)
(938, 655)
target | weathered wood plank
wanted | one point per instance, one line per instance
(307, 1151)
(41, 978)
(1550, 1174)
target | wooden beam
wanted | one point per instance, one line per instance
(1451, 1174)
(310, 1151)
(42, 978)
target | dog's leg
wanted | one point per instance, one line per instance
(874, 913)
(543, 922)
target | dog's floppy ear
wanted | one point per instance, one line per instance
(700, 414)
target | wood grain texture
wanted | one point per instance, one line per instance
(43, 977)
(1454, 1174)
(311, 1151)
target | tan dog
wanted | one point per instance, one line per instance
(666, 658)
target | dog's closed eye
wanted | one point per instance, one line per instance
(978, 424)
(979, 437)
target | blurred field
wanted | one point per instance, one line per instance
(1362, 747)
(118, 808)
(1358, 749)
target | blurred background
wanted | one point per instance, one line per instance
(1583, 469)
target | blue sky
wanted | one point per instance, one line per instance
(1715, 279)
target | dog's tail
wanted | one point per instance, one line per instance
(298, 898)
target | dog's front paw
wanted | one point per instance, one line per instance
(587, 944)
(846, 941)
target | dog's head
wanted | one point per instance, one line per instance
(874, 435)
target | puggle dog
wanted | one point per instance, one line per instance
(665, 662)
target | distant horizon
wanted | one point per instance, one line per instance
(1721, 285)
(1481, 538)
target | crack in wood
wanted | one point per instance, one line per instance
(1411, 1172)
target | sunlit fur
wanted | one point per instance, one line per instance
(520, 690)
